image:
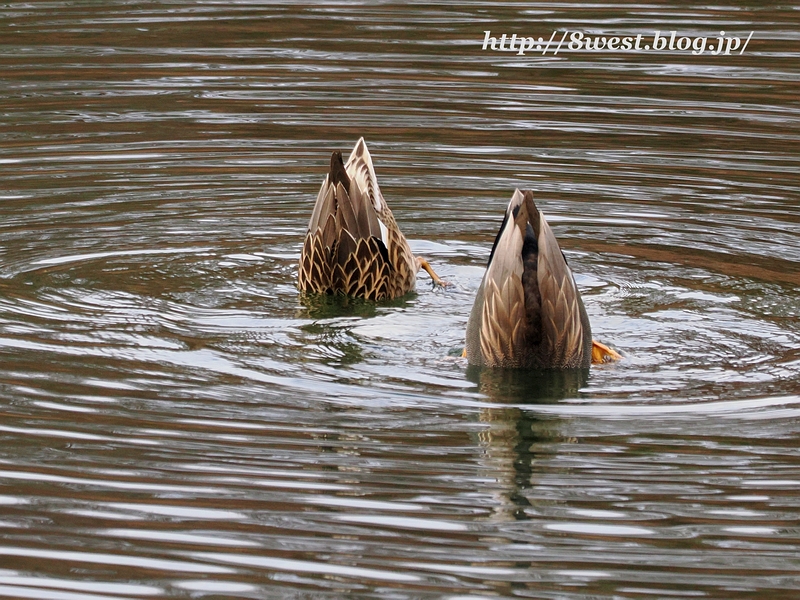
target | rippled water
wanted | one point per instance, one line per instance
(177, 422)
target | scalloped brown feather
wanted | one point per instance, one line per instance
(503, 331)
(528, 312)
(353, 245)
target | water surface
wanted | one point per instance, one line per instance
(178, 422)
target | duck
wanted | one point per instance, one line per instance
(528, 312)
(353, 245)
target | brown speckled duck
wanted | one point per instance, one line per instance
(353, 245)
(528, 312)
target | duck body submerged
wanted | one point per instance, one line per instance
(353, 245)
(528, 312)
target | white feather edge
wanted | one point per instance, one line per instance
(509, 245)
(361, 152)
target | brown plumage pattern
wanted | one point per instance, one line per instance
(503, 332)
(353, 245)
(528, 312)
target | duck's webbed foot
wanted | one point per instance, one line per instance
(424, 264)
(603, 354)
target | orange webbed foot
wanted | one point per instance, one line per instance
(424, 264)
(603, 354)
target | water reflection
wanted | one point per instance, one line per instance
(333, 343)
(526, 386)
(514, 444)
(331, 306)
(518, 439)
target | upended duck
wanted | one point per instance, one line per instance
(528, 312)
(353, 245)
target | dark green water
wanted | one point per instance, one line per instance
(175, 422)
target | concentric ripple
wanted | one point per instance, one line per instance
(176, 421)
